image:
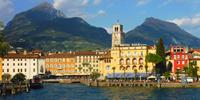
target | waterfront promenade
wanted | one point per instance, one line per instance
(124, 83)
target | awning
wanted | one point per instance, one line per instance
(151, 77)
(127, 75)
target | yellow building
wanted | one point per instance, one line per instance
(194, 56)
(125, 60)
(1, 68)
(60, 64)
(86, 62)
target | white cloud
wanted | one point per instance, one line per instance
(190, 24)
(101, 12)
(71, 7)
(108, 29)
(187, 21)
(77, 8)
(6, 10)
(142, 2)
(96, 2)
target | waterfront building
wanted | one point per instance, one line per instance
(1, 60)
(87, 62)
(178, 57)
(26, 63)
(60, 64)
(194, 57)
(125, 60)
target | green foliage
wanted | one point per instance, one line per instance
(95, 75)
(178, 71)
(6, 77)
(153, 58)
(160, 49)
(167, 75)
(1, 24)
(18, 78)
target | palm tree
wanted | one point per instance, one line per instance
(113, 68)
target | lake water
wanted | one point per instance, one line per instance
(82, 92)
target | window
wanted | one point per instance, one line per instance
(178, 62)
(178, 56)
(33, 59)
(13, 59)
(33, 69)
(13, 64)
(25, 64)
(2, 70)
(182, 56)
(25, 70)
(174, 56)
(33, 64)
(21, 70)
(2, 64)
(7, 70)
(13, 70)
(7, 59)
(183, 62)
(18, 70)
(7, 64)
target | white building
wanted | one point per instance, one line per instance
(26, 63)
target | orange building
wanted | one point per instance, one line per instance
(60, 64)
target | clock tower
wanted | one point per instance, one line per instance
(117, 35)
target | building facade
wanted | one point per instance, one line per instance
(178, 57)
(26, 63)
(123, 60)
(194, 57)
(86, 62)
(60, 64)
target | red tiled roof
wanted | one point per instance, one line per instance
(22, 56)
(60, 55)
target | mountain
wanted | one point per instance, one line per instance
(46, 28)
(153, 29)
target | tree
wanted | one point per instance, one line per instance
(95, 75)
(169, 66)
(160, 50)
(18, 78)
(154, 59)
(6, 77)
(4, 46)
(167, 75)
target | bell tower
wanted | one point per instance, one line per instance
(117, 34)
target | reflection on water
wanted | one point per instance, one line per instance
(82, 92)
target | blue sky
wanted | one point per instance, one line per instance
(104, 13)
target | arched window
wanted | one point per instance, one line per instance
(140, 67)
(121, 68)
(141, 61)
(127, 61)
(134, 61)
(134, 67)
(121, 61)
(127, 67)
